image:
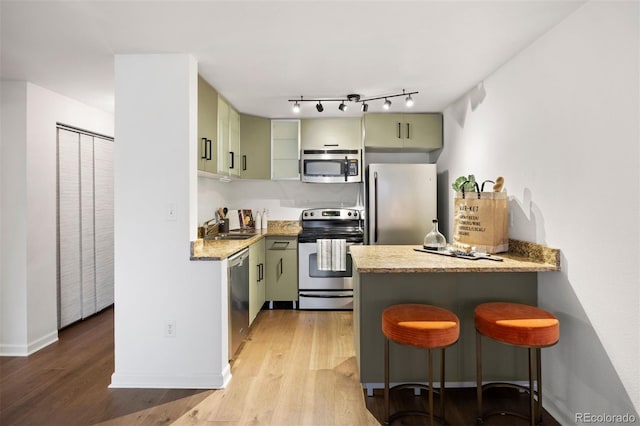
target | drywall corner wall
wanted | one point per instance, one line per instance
(29, 208)
(13, 289)
(560, 123)
(155, 281)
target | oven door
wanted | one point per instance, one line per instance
(310, 278)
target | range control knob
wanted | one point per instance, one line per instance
(311, 213)
(349, 214)
(306, 214)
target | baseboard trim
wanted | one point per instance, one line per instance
(30, 348)
(200, 381)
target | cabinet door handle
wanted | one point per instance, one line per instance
(208, 149)
(280, 245)
(330, 144)
(280, 266)
(232, 159)
(204, 146)
(244, 162)
(258, 266)
(261, 272)
(399, 130)
(408, 134)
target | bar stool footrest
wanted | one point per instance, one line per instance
(436, 391)
(406, 413)
(494, 413)
(501, 385)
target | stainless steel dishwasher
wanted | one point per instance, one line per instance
(238, 270)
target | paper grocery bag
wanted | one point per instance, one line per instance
(481, 219)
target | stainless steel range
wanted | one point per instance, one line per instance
(323, 285)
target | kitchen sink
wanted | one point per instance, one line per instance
(226, 237)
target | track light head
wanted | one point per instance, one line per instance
(296, 108)
(387, 104)
(365, 107)
(409, 101)
(319, 107)
(342, 107)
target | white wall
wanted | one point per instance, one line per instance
(155, 282)
(284, 200)
(13, 288)
(29, 289)
(560, 123)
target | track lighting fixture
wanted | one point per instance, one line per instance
(409, 101)
(355, 98)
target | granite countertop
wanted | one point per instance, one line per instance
(221, 249)
(522, 257)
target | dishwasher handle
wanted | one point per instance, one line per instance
(238, 258)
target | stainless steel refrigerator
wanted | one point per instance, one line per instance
(401, 202)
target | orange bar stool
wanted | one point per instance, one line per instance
(519, 325)
(422, 326)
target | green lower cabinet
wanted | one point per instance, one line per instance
(257, 290)
(282, 269)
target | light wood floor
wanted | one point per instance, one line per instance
(296, 368)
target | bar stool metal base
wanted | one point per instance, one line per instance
(535, 396)
(389, 419)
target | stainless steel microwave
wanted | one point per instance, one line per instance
(331, 165)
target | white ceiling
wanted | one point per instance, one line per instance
(260, 54)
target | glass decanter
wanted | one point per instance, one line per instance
(434, 240)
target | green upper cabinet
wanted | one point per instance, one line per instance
(285, 149)
(207, 126)
(330, 133)
(419, 132)
(228, 139)
(255, 135)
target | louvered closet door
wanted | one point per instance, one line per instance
(69, 253)
(103, 161)
(88, 260)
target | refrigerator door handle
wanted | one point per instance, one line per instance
(375, 207)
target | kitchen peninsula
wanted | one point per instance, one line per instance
(387, 275)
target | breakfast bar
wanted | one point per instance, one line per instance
(388, 275)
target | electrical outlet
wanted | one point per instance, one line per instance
(171, 212)
(170, 328)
